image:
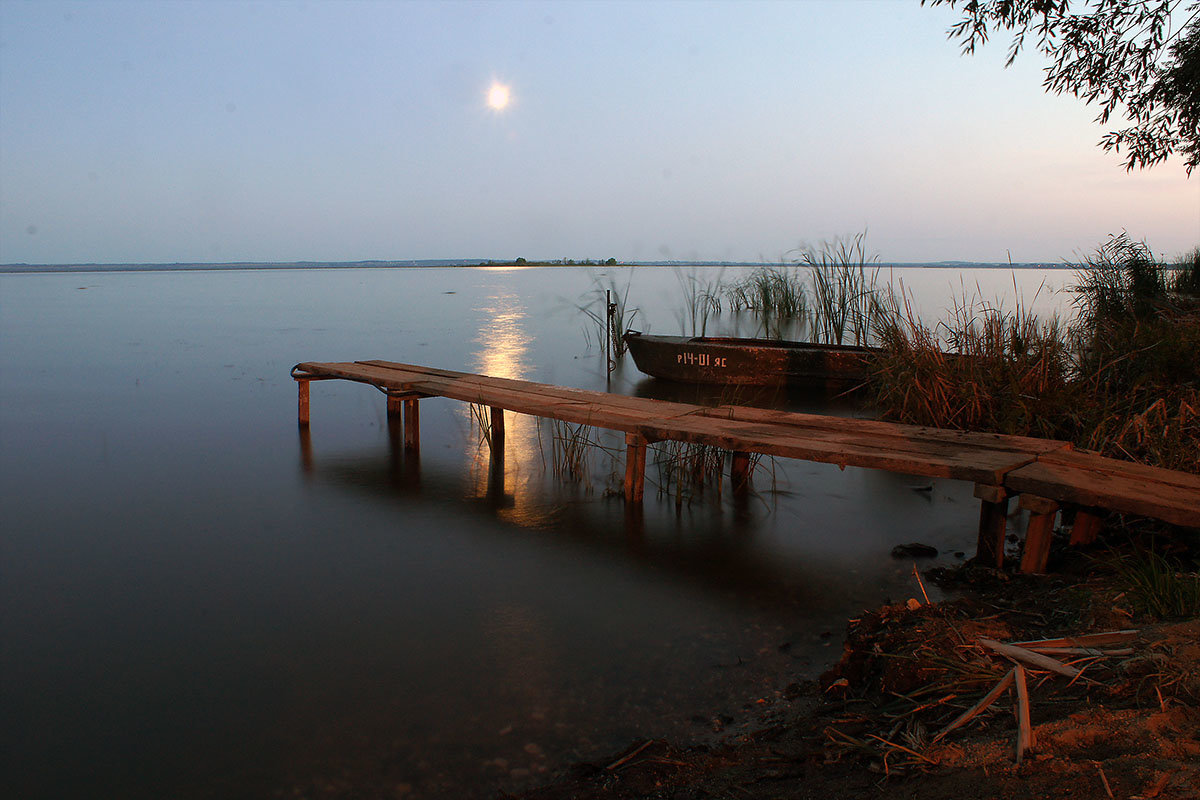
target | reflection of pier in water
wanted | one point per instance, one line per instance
(713, 551)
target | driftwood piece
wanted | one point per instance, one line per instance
(1025, 738)
(976, 709)
(1083, 640)
(1020, 654)
(1081, 651)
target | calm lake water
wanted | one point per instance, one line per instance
(196, 602)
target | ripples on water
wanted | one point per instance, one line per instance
(197, 602)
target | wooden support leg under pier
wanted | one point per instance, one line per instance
(1087, 526)
(993, 524)
(412, 424)
(739, 472)
(395, 406)
(635, 467)
(302, 406)
(497, 434)
(1039, 533)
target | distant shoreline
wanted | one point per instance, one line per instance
(468, 263)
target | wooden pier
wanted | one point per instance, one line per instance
(1043, 474)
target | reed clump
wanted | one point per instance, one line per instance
(686, 470)
(847, 298)
(1157, 587)
(702, 302)
(987, 368)
(1186, 278)
(1123, 379)
(774, 295)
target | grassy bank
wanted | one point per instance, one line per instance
(1123, 378)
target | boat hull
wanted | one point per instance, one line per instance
(747, 362)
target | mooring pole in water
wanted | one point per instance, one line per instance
(1039, 533)
(993, 522)
(608, 315)
(635, 467)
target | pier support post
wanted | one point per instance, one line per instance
(395, 406)
(1039, 532)
(497, 434)
(635, 467)
(993, 523)
(412, 424)
(302, 405)
(739, 472)
(1087, 526)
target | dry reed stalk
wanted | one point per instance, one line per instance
(979, 707)
(1025, 737)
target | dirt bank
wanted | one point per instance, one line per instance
(1123, 723)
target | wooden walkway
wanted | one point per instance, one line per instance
(1044, 474)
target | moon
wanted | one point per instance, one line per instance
(498, 97)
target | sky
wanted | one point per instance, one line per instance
(261, 130)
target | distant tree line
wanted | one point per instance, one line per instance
(558, 262)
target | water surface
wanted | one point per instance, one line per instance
(196, 601)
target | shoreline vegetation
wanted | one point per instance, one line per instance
(1121, 378)
(1100, 696)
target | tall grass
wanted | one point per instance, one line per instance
(846, 297)
(701, 302)
(571, 448)
(685, 470)
(1158, 588)
(1124, 379)
(775, 295)
(986, 368)
(1186, 278)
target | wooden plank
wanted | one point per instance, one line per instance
(1132, 493)
(576, 410)
(915, 433)
(657, 407)
(1094, 462)
(983, 466)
